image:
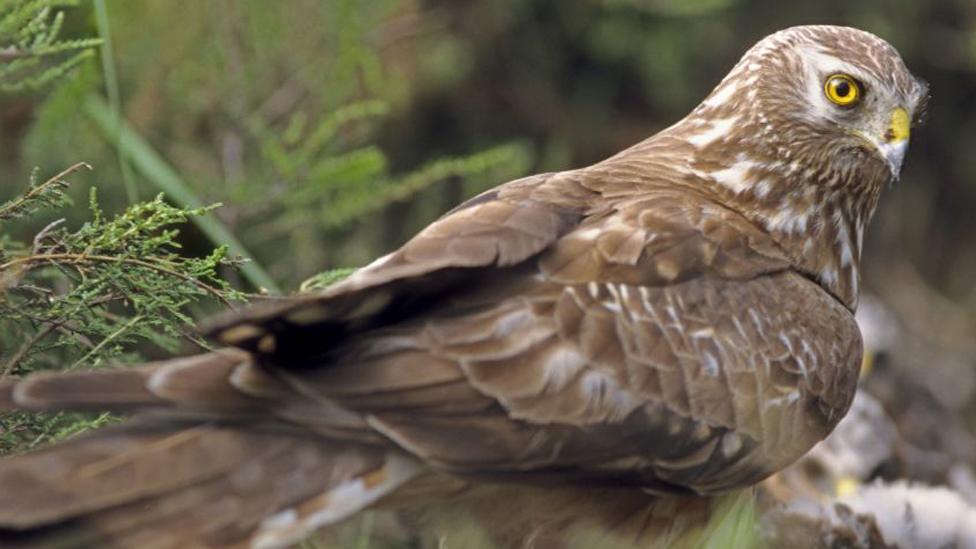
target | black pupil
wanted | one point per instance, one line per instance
(842, 88)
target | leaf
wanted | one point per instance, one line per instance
(325, 279)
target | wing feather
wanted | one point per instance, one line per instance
(502, 228)
(697, 359)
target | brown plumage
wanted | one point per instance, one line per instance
(615, 341)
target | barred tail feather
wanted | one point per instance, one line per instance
(204, 463)
(198, 486)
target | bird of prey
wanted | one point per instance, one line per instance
(671, 323)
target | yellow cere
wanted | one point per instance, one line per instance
(901, 126)
(842, 90)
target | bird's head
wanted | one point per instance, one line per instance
(803, 135)
(847, 90)
(836, 100)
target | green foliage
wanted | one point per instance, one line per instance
(319, 185)
(279, 114)
(343, 188)
(734, 523)
(132, 147)
(91, 293)
(331, 181)
(32, 54)
(49, 194)
(96, 294)
(297, 161)
(325, 279)
(21, 431)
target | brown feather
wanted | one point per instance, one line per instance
(119, 389)
(202, 381)
(132, 486)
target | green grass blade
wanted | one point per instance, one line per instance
(112, 88)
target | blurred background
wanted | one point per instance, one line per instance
(332, 130)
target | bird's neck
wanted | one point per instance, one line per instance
(817, 218)
(822, 237)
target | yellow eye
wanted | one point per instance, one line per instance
(842, 90)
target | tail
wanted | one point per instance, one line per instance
(197, 468)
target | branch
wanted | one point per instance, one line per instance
(6, 211)
(68, 258)
(22, 351)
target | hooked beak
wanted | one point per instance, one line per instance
(894, 145)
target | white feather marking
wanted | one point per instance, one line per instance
(722, 94)
(719, 129)
(787, 342)
(645, 295)
(756, 319)
(789, 221)
(710, 364)
(801, 364)
(561, 367)
(731, 444)
(675, 319)
(785, 400)
(829, 275)
(594, 288)
(289, 527)
(624, 293)
(739, 327)
(703, 333)
(762, 188)
(604, 394)
(282, 519)
(805, 345)
(844, 241)
(613, 304)
(588, 234)
(390, 344)
(735, 177)
(515, 321)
